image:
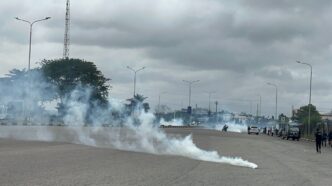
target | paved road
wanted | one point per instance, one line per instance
(52, 163)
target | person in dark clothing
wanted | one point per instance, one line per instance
(225, 128)
(330, 138)
(318, 136)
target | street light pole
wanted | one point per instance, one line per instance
(274, 85)
(211, 92)
(190, 83)
(189, 107)
(309, 106)
(260, 105)
(159, 100)
(250, 101)
(135, 72)
(31, 24)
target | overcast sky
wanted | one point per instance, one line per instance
(233, 47)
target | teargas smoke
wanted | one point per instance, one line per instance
(173, 122)
(233, 127)
(177, 146)
(109, 127)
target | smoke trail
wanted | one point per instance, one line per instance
(157, 142)
(132, 133)
(143, 138)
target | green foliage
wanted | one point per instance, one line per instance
(16, 74)
(302, 116)
(137, 102)
(283, 118)
(13, 85)
(22, 84)
(66, 74)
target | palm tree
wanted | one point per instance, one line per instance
(137, 102)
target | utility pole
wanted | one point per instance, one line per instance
(30, 38)
(135, 72)
(276, 87)
(189, 84)
(189, 110)
(25, 102)
(260, 106)
(257, 110)
(309, 105)
(211, 92)
(216, 110)
(250, 101)
(257, 113)
(159, 101)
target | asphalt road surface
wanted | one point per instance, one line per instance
(280, 162)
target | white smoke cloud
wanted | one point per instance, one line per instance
(233, 127)
(132, 133)
(77, 104)
(173, 122)
(143, 138)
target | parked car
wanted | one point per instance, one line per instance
(253, 129)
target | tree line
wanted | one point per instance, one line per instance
(58, 78)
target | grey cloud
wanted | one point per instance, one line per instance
(193, 40)
(233, 47)
(280, 73)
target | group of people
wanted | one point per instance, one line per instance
(321, 139)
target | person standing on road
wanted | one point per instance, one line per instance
(318, 136)
(330, 138)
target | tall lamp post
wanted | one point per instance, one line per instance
(260, 105)
(190, 83)
(309, 106)
(274, 85)
(135, 72)
(31, 24)
(189, 107)
(211, 92)
(250, 102)
(159, 100)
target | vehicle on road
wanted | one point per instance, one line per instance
(292, 132)
(253, 129)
